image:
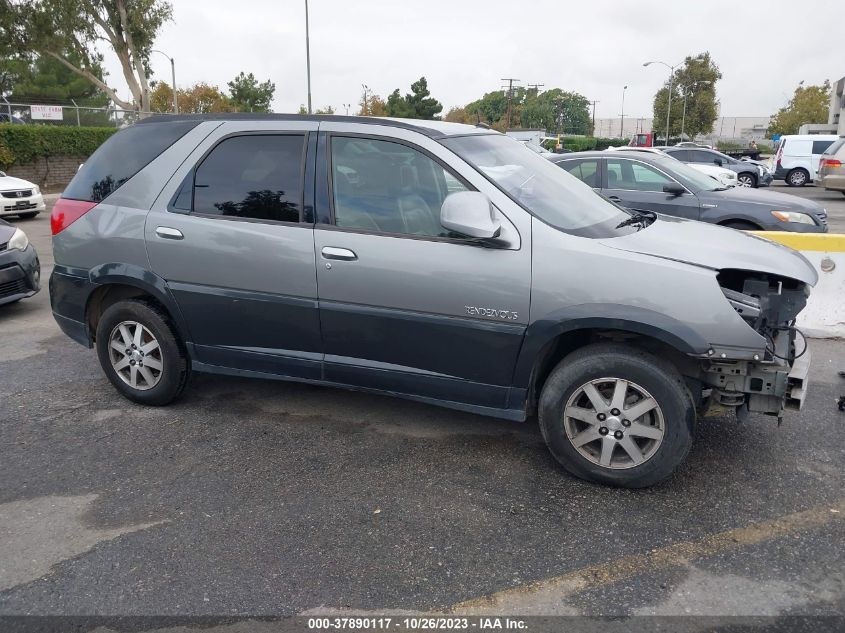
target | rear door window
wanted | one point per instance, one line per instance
(257, 177)
(819, 147)
(702, 158)
(122, 156)
(681, 154)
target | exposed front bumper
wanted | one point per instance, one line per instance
(20, 274)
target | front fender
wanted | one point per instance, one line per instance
(593, 316)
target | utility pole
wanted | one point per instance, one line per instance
(365, 109)
(594, 114)
(622, 123)
(536, 87)
(510, 81)
(308, 56)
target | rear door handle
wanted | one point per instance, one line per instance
(333, 252)
(614, 198)
(168, 233)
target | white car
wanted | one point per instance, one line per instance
(19, 197)
(726, 177)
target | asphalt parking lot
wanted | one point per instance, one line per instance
(259, 497)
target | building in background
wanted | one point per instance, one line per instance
(836, 115)
(736, 129)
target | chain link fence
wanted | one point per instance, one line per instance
(66, 114)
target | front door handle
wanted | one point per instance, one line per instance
(168, 233)
(333, 252)
(614, 198)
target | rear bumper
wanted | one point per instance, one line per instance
(835, 182)
(20, 274)
(69, 292)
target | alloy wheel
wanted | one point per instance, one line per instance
(797, 178)
(745, 181)
(135, 355)
(614, 423)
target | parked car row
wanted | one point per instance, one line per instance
(725, 176)
(657, 182)
(798, 156)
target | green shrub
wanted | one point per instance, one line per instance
(27, 143)
(587, 143)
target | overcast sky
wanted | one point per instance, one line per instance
(465, 47)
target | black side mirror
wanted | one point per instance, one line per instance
(718, 161)
(674, 189)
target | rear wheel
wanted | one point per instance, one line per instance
(797, 177)
(746, 180)
(140, 353)
(617, 415)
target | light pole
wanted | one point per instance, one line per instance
(346, 105)
(308, 56)
(622, 122)
(173, 78)
(686, 94)
(669, 94)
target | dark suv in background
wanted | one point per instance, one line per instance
(749, 173)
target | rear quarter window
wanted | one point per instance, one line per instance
(122, 156)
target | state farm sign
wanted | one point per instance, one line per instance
(46, 112)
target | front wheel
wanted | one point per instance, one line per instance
(617, 415)
(746, 180)
(140, 353)
(797, 178)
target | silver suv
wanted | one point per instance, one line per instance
(433, 261)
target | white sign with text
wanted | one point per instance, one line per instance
(47, 112)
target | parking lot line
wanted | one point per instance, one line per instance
(544, 595)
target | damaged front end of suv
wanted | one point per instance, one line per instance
(774, 377)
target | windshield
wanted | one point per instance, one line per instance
(539, 186)
(696, 180)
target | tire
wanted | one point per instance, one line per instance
(746, 179)
(797, 177)
(667, 428)
(739, 225)
(166, 373)
(27, 216)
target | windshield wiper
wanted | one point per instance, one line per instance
(640, 217)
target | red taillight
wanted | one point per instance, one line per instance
(66, 212)
(831, 162)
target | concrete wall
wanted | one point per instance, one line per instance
(55, 171)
